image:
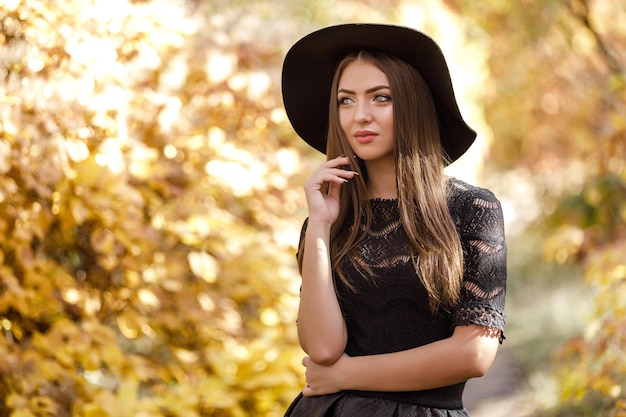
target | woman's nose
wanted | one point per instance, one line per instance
(363, 113)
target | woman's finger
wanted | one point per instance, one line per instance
(341, 160)
(337, 176)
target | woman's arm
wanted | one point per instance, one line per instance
(468, 353)
(321, 327)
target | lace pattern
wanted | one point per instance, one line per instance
(390, 312)
(478, 217)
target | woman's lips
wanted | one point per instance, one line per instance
(365, 136)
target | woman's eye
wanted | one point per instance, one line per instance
(344, 100)
(381, 98)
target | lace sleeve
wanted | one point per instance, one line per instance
(481, 228)
(302, 233)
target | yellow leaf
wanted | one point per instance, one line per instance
(79, 210)
(22, 413)
(102, 241)
(127, 396)
(93, 410)
(16, 401)
(203, 265)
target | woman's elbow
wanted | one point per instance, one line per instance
(323, 352)
(323, 355)
(324, 360)
(481, 359)
(479, 346)
(479, 367)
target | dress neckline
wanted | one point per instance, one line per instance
(383, 200)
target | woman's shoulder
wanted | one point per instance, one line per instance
(470, 204)
(474, 210)
(461, 192)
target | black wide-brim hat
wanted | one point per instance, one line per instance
(311, 62)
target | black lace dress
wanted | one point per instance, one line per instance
(391, 313)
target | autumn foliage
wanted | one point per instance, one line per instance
(150, 197)
(563, 64)
(147, 257)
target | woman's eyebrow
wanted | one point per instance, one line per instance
(368, 91)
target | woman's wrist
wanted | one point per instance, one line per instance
(348, 373)
(318, 224)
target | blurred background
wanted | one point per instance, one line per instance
(150, 200)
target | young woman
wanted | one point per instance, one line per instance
(403, 269)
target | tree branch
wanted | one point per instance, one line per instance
(580, 10)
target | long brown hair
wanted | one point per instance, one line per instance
(422, 198)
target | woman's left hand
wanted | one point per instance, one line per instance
(322, 380)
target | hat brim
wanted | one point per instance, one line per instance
(310, 64)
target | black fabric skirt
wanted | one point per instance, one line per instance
(348, 404)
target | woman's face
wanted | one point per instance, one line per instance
(366, 111)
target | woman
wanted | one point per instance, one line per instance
(403, 270)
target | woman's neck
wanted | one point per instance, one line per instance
(381, 183)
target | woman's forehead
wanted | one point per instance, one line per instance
(362, 74)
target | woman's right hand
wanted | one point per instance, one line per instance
(322, 189)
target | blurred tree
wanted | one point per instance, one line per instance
(148, 222)
(557, 107)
